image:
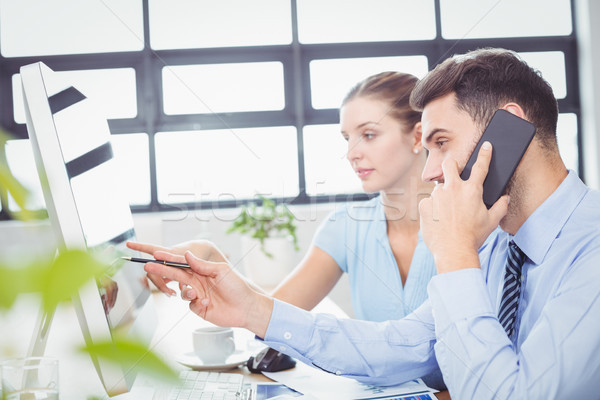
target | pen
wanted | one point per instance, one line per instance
(146, 260)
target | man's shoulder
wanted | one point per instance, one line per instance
(591, 203)
(586, 216)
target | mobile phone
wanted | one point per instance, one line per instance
(510, 136)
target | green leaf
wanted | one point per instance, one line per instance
(7, 181)
(9, 286)
(69, 271)
(132, 356)
(261, 222)
(14, 187)
(17, 280)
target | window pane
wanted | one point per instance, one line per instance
(32, 28)
(131, 155)
(226, 164)
(113, 90)
(552, 66)
(330, 80)
(206, 89)
(468, 19)
(19, 155)
(184, 24)
(132, 159)
(327, 169)
(343, 21)
(567, 140)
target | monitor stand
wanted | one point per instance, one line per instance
(41, 332)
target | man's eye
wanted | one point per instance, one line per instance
(369, 135)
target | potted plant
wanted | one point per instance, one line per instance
(268, 241)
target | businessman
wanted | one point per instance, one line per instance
(512, 316)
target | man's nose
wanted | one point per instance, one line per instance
(432, 172)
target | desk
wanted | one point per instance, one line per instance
(78, 378)
(173, 336)
(77, 375)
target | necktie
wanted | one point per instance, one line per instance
(512, 288)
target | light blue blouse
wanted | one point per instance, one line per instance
(356, 237)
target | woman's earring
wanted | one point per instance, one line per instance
(416, 151)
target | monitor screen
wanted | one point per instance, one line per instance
(88, 208)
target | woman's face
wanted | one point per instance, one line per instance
(380, 153)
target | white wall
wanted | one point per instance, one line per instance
(588, 31)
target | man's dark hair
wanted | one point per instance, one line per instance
(485, 80)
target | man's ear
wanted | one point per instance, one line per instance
(515, 109)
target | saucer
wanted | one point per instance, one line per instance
(191, 360)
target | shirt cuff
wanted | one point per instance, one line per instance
(459, 295)
(290, 329)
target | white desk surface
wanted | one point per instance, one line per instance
(78, 378)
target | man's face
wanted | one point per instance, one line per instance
(447, 133)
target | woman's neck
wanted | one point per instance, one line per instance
(401, 203)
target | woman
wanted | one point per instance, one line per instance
(377, 242)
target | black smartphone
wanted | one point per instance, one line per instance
(510, 136)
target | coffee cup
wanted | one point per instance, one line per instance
(213, 344)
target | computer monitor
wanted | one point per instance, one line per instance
(88, 210)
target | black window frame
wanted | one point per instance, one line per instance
(298, 111)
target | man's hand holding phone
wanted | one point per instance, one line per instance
(454, 220)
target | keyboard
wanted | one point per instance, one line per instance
(205, 385)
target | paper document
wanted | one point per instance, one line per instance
(277, 391)
(325, 386)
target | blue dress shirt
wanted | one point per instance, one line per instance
(356, 238)
(555, 354)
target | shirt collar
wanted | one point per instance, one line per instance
(543, 226)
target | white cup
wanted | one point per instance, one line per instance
(213, 344)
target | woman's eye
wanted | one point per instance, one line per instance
(441, 143)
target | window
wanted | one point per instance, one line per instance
(328, 172)
(470, 19)
(40, 28)
(551, 65)
(567, 140)
(331, 79)
(189, 24)
(19, 156)
(218, 88)
(346, 21)
(192, 167)
(131, 155)
(114, 91)
(212, 103)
